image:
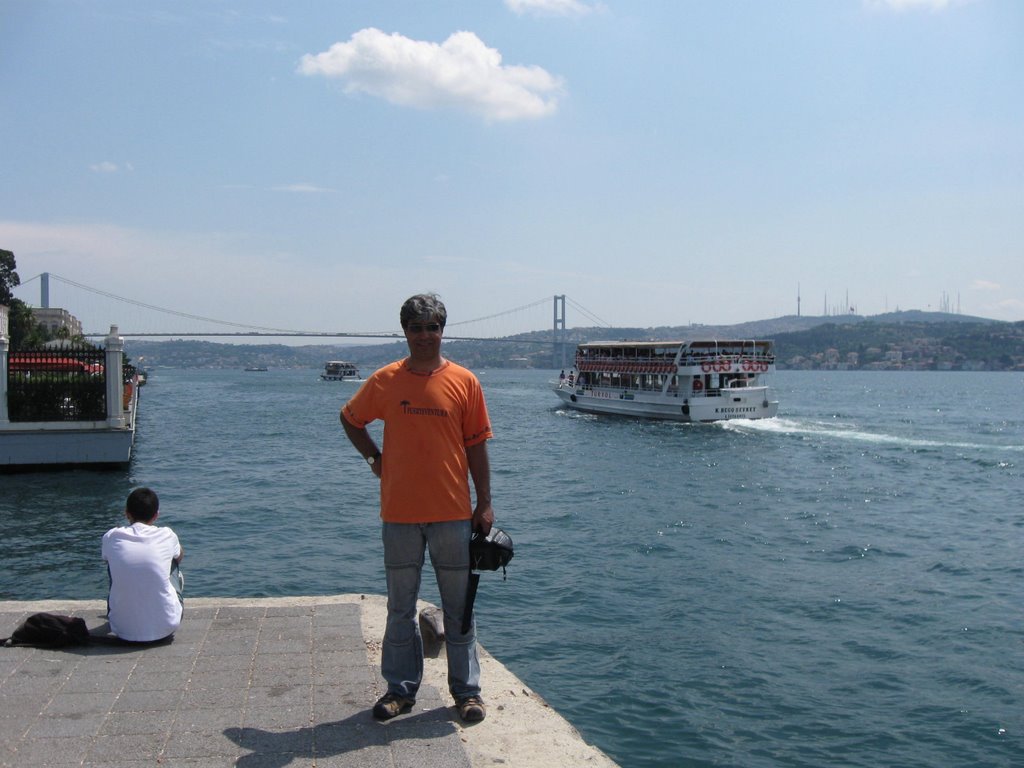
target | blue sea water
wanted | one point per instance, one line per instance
(842, 585)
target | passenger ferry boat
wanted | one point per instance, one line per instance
(674, 380)
(339, 370)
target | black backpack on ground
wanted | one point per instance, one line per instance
(49, 630)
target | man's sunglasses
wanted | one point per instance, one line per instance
(421, 327)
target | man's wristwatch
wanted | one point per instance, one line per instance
(371, 460)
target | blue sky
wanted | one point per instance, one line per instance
(311, 164)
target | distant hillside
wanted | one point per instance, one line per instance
(760, 329)
(912, 344)
(893, 340)
(181, 353)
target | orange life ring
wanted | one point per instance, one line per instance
(698, 385)
(706, 366)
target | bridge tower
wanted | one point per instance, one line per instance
(558, 333)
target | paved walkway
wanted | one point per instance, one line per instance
(258, 683)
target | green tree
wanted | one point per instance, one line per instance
(8, 277)
(22, 327)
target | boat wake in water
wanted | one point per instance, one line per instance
(808, 428)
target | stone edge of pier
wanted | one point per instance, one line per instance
(521, 729)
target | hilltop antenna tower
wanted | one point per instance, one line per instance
(798, 299)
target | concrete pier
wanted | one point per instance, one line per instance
(260, 683)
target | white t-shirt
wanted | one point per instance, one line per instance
(143, 604)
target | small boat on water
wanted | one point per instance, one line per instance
(674, 380)
(339, 370)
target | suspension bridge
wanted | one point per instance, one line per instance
(97, 310)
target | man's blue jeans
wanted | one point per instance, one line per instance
(402, 654)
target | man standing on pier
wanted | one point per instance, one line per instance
(435, 432)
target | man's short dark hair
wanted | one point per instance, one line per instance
(143, 504)
(423, 306)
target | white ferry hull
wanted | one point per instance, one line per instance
(752, 403)
(339, 370)
(690, 381)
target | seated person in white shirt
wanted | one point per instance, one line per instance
(143, 605)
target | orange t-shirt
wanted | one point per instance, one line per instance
(429, 421)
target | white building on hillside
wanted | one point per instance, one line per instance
(55, 318)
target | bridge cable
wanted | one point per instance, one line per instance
(501, 314)
(588, 313)
(269, 330)
(170, 311)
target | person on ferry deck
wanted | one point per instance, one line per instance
(435, 436)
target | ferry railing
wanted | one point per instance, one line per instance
(682, 389)
(731, 357)
(687, 360)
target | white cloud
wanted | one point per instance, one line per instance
(550, 7)
(113, 257)
(208, 274)
(301, 187)
(913, 5)
(105, 167)
(461, 72)
(1011, 307)
(985, 285)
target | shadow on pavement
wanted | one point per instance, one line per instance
(357, 733)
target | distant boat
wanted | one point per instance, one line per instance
(256, 368)
(673, 380)
(340, 370)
